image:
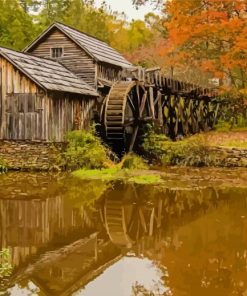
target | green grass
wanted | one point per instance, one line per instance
(103, 174)
(234, 129)
(126, 175)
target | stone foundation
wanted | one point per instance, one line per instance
(30, 155)
(229, 157)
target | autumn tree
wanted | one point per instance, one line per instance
(210, 35)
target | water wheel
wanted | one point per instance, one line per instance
(124, 113)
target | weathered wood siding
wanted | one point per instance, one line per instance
(29, 113)
(109, 72)
(66, 112)
(74, 58)
(22, 105)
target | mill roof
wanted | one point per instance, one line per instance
(47, 73)
(97, 49)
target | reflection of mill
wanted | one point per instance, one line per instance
(126, 220)
(137, 214)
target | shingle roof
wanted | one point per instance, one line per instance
(47, 73)
(97, 49)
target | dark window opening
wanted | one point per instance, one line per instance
(56, 52)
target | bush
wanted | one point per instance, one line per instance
(232, 112)
(192, 151)
(84, 150)
(233, 124)
(133, 162)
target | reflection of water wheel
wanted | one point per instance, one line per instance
(124, 112)
(116, 217)
(126, 223)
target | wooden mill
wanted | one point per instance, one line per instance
(176, 108)
(65, 79)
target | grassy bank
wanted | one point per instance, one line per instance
(131, 169)
(216, 148)
(89, 159)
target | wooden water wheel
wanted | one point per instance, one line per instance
(124, 113)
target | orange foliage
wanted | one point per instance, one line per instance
(212, 33)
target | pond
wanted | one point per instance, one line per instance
(60, 235)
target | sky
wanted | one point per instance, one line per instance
(127, 7)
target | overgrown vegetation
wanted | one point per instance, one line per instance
(133, 162)
(84, 150)
(206, 149)
(192, 151)
(232, 113)
(132, 168)
(5, 266)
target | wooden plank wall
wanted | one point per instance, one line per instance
(66, 112)
(29, 113)
(22, 114)
(109, 72)
(74, 58)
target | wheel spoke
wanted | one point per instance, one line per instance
(133, 138)
(143, 102)
(138, 95)
(132, 106)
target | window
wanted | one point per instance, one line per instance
(56, 52)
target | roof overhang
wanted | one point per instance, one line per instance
(22, 70)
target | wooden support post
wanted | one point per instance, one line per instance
(160, 113)
(151, 98)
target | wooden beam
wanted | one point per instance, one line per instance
(151, 102)
(160, 113)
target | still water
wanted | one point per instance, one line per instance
(63, 236)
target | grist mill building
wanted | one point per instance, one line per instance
(49, 89)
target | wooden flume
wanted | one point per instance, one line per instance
(176, 108)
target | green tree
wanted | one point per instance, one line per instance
(16, 29)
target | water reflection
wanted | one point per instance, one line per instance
(70, 237)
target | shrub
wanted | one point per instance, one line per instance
(232, 112)
(85, 150)
(192, 151)
(233, 124)
(133, 162)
